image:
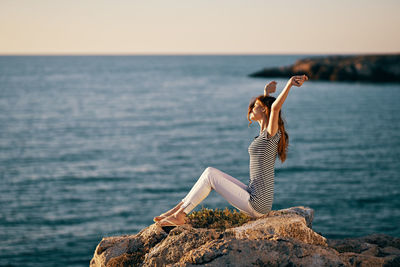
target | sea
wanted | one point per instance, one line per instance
(96, 146)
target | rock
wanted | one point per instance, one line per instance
(293, 223)
(370, 250)
(127, 248)
(362, 68)
(280, 238)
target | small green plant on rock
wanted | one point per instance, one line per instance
(218, 219)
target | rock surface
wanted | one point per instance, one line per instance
(280, 238)
(362, 68)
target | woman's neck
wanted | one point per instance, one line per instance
(263, 125)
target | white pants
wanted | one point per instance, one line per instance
(233, 190)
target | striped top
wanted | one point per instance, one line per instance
(263, 152)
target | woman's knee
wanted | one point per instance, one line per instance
(209, 170)
(209, 174)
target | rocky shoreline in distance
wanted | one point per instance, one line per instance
(360, 68)
(280, 238)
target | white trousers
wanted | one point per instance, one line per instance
(233, 190)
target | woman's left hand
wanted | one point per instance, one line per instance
(270, 88)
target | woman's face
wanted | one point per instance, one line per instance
(258, 112)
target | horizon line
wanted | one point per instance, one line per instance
(193, 54)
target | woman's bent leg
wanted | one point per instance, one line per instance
(197, 194)
(233, 190)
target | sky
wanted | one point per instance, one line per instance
(199, 27)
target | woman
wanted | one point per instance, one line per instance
(256, 198)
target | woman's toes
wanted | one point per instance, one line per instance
(158, 218)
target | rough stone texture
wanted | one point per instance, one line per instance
(370, 250)
(262, 252)
(127, 248)
(294, 222)
(362, 68)
(280, 238)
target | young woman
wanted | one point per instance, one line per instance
(254, 199)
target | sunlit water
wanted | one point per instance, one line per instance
(97, 146)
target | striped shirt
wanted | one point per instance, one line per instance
(263, 152)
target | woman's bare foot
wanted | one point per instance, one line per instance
(168, 213)
(177, 218)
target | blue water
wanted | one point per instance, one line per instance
(95, 146)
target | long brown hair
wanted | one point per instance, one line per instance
(266, 102)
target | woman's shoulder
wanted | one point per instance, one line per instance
(266, 135)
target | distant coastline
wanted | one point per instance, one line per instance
(377, 68)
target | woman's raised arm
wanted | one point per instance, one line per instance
(296, 81)
(272, 127)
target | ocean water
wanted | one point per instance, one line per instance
(96, 146)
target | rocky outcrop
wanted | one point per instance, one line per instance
(280, 238)
(362, 68)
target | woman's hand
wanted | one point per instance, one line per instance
(298, 80)
(270, 88)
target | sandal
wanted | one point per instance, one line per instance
(162, 218)
(169, 223)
